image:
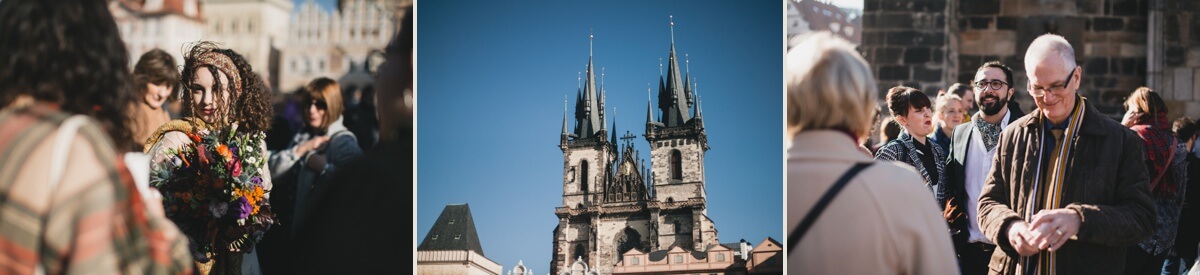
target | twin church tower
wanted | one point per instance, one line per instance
(611, 201)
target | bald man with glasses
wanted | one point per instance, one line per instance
(1068, 188)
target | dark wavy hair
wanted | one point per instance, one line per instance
(70, 53)
(250, 108)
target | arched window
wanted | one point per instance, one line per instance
(676, 165)
(580, 252)
(583, 179)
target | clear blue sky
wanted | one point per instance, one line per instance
(492, 75)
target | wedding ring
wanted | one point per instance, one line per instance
(1059, 232)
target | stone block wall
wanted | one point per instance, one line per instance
(692, 161)
(905, 43)
(1178, 73)
(1109, 37)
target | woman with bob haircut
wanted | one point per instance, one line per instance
(881, 214)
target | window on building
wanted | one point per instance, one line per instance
(678, 229)
(233, 26)
(676, 165)
(451, 221)
(321, 65)
(435, 236)
(457, 236)
(678, 259)
(583, 182)
(720, 257)
(633, 260)
(250, 26)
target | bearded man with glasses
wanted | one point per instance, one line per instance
(971, 152)
(1067, 192)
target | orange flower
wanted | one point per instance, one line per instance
(194, 137)
(224, 152)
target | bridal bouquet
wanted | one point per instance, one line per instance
(212, 189)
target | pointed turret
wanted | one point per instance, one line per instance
(687, 84)
(588, 121)
(649, 106)
(673, 97)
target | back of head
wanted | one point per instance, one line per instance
(829, 86)
(1145, 100)
(1184, 129)
(394, 95)
(68, 53)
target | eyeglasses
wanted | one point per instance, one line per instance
(994, 84)
(320, 104)
(1056, 89)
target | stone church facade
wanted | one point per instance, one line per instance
(612, 201)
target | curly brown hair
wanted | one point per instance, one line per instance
(69, 53)
(251, 107)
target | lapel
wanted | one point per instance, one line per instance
(914, 156)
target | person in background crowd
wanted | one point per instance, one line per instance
(889, 130)
(68, 202)
(968, 98)
(156, 77)
(830, 91)
(971, 153)
(1188, 237)
(1068, 191)
(344, 216)
(1165, 159)
(911, 109)
(947, 114)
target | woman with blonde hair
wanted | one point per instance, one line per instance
(843, 203)
(1146, 114)
(948, 112)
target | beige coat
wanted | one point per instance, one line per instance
(885, 221)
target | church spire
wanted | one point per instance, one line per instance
(649, 108)
(673, 98)
(588, 122)
(564, 130)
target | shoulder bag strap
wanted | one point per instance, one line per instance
(1170, 158)
(58, 160)
(811, 217)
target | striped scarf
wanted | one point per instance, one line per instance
(1047, 193)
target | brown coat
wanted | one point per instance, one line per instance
(1106, 182)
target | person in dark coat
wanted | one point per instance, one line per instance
(353, 227)
(1188, 237)
(1069, 190)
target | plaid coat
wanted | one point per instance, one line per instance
(94, 221)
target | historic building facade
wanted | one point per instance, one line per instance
(256, 29)
(452, 246)
(612, 202)
(337, 44)
(157, 24)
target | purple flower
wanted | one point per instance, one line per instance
(256, 180)
(218, 209)
(242, 208)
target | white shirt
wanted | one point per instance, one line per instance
(979, 163)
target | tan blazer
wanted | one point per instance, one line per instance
(885, 221)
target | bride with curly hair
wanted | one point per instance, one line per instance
(221, 94)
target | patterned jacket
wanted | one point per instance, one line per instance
(93, 221)
(903, 150)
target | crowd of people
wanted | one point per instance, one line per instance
(972, 184)
(81, 133)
